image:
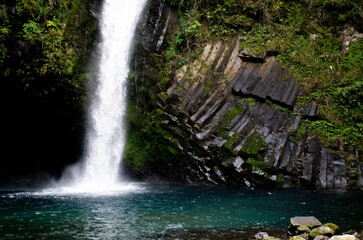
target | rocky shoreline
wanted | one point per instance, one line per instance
(301, 228)
(310, 228)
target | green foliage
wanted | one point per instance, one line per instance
(33, 32)
(27, 6)
(48, 40)
(312, 51)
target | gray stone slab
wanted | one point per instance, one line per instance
(305, 221)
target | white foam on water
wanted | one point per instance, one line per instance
(81, 191)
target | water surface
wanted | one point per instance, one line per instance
(147, 211)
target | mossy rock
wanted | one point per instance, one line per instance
(297, 238)
(304, 229)
(315, 233)
(332, 226)
(327, 231)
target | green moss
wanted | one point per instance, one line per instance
(332, 226)
(353, 183)
(254, 145)
(285, 110)
(232, 113)
(315, 233)
(301, 131)
(251, 102)
(208, 84)
(229, 144)
(280, 177)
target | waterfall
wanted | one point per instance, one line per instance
(105, 135)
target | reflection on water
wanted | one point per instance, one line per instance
(145, 211)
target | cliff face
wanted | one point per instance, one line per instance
(233, 118)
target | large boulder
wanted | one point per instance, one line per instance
(309, 221)
(300, 225)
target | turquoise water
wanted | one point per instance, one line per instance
(147, 211)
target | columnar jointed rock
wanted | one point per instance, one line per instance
(243, 110)
(234, 119)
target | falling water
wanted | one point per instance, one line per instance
(105, 131)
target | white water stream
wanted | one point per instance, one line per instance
(105, 138)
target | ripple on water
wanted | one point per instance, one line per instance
(151, 210)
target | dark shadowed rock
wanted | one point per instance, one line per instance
(247, 57)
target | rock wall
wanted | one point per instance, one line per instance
(234, 119)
